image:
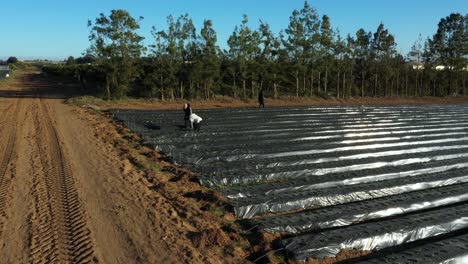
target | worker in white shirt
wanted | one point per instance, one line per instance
(195, 120)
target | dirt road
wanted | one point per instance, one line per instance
(68, 197)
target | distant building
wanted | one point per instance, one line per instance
(421, 66)
(443, 67)
(418, 67)
(45, 61)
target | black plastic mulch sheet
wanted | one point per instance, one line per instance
(348, 214)
(355, 164)
(279, 173)
(303, 151)
(452, 250)
(380, 234)
(294, 200)
(344, 178)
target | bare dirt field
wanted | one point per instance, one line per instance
(76, 188)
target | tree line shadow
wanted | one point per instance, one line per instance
(41, 85)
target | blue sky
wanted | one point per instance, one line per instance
(56, 29)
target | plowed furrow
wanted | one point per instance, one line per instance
(63, 237)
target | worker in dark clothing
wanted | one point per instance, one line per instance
(82, 79)
(261, 99)
(188, 112)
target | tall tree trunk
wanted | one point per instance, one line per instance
(191, 88)
(108, 93)
(450, 83)
(338, 86)
(375, 85)
(417, 85)
(182, 90)
(464, 91)
(392, 85)
(398, 84)
(172, 93)
(297, 84)
(345, 94)
(261, 85)
(234, 84)
(422, 84)
(243, 88)
(385, 87)
(275, 91)
(304, 83)
(406, 83)
(311, 83)
(252, 88)
(362, 83)
(319, 79)
(275, 88)
(349, 84)
(162, 88)
(205, 88)
(326, 80)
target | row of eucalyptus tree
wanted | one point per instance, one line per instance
(308, 58)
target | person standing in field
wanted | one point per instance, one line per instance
(188, 112)
(261, 99)
(195, 121)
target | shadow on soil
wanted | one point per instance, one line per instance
(34, 85)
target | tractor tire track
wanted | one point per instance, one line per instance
(59, 229)
(6, 113)
(6, 159)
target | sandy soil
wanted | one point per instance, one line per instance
(76, 187)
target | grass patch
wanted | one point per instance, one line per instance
(280, 258)
(218, 211)
(155, 166)
(85, 100)
(6, 81)
(231, 248)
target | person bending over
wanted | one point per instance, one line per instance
(195, 120)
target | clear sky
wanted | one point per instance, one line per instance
(56, 29)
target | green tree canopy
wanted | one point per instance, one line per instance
(70, 61)
(12, 60)
(309, 57)
(116, 45)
